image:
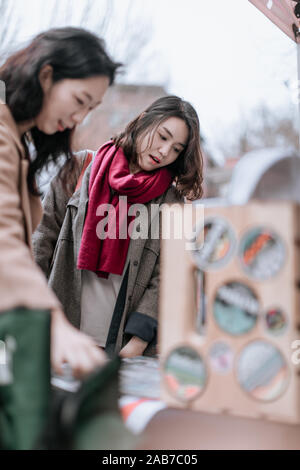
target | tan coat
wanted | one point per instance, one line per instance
(22, 283)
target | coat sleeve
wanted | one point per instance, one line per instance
(54, 209)
(21, 281)
(143, 321)
(46, 235)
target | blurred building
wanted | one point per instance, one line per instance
(267, 173)
(120, 105)
(217, 178)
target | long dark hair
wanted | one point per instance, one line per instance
(188, 167)
(73, 53)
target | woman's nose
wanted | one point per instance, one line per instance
(164, 149)
(79, 116)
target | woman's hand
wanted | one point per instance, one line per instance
(135, 347)
(72, 346)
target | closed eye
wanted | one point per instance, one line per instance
(79, 101)
(162, 137)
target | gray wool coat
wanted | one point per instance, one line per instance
(56, 244)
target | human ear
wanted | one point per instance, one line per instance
(45, 77)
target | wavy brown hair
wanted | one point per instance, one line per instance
(73, 53)
(188, 167)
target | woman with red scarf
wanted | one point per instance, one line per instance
(97, 247)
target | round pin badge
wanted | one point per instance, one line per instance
(261, 253)
(221, 358)
(214, 244)
(236, 308)
(275, 321)
(184, 373)
(262, 371)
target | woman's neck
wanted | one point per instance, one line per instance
(25, 126)
(133, 169)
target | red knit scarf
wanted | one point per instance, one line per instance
(110, 178)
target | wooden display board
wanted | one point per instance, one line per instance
(229, 312)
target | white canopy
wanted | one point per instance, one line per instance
(270, 173)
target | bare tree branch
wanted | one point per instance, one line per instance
(86, 13)
(262, 127)
(124, 26)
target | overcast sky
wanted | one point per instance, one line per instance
(225, 57)
(228, 58)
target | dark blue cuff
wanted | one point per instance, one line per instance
(142, 326)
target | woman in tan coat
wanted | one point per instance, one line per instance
(50, 87)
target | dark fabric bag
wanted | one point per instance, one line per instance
(24, 376)
(34, 415)
(88, 418)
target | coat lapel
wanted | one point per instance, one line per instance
(25, 200)
(31, 205)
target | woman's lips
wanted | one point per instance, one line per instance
(154, 160)
(60, 126)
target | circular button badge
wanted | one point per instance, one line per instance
(221, 357)
(276, 321)
(261, 253)
(216, 246)
(235, 308)
(185, 373)
(262, 371)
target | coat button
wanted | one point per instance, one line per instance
(135, 263)
(129, 298)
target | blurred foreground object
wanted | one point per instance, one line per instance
(185, 429)
(24, 377)
(85, 415)
(139, 376)
(230, 312)
(283, 13)
(71, 415)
